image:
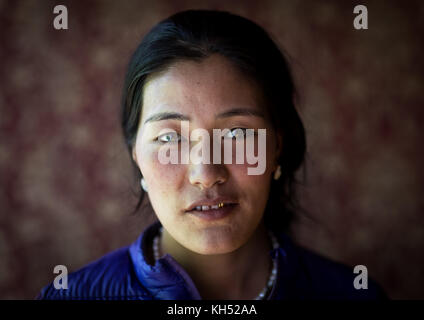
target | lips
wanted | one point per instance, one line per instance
(211, 204)
(213, 212)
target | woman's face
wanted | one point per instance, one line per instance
(204, 94)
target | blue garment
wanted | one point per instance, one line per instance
(124, 274)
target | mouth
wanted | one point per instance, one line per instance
(212, 209)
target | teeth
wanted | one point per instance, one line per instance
(212, 207)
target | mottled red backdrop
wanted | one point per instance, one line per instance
(66, 180)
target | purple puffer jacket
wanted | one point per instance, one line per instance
(124, 274)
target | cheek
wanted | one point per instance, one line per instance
(264, 157)
(161, 179)
(239, 173)
(254, 188)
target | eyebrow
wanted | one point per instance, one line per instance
(241, 112)
(166, 116)
(230, 113)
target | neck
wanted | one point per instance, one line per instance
(226, 276)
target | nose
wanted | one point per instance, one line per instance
(206, 176)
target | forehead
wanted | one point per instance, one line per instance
(200, 89)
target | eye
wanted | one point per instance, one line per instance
(236, 133)
(171, 137)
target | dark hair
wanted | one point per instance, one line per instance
(197, 34)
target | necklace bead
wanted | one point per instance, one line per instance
(272, 277)
(156, 253)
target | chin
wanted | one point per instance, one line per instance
(213, 247)
(212, 251)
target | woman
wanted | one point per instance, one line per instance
(220, 233)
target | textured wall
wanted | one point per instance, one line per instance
(66, 181)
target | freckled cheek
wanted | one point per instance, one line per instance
(161, 178)
(255, 188)
(252, 187)
(264, 155)
(239, 172)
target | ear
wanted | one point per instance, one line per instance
(134, 155)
